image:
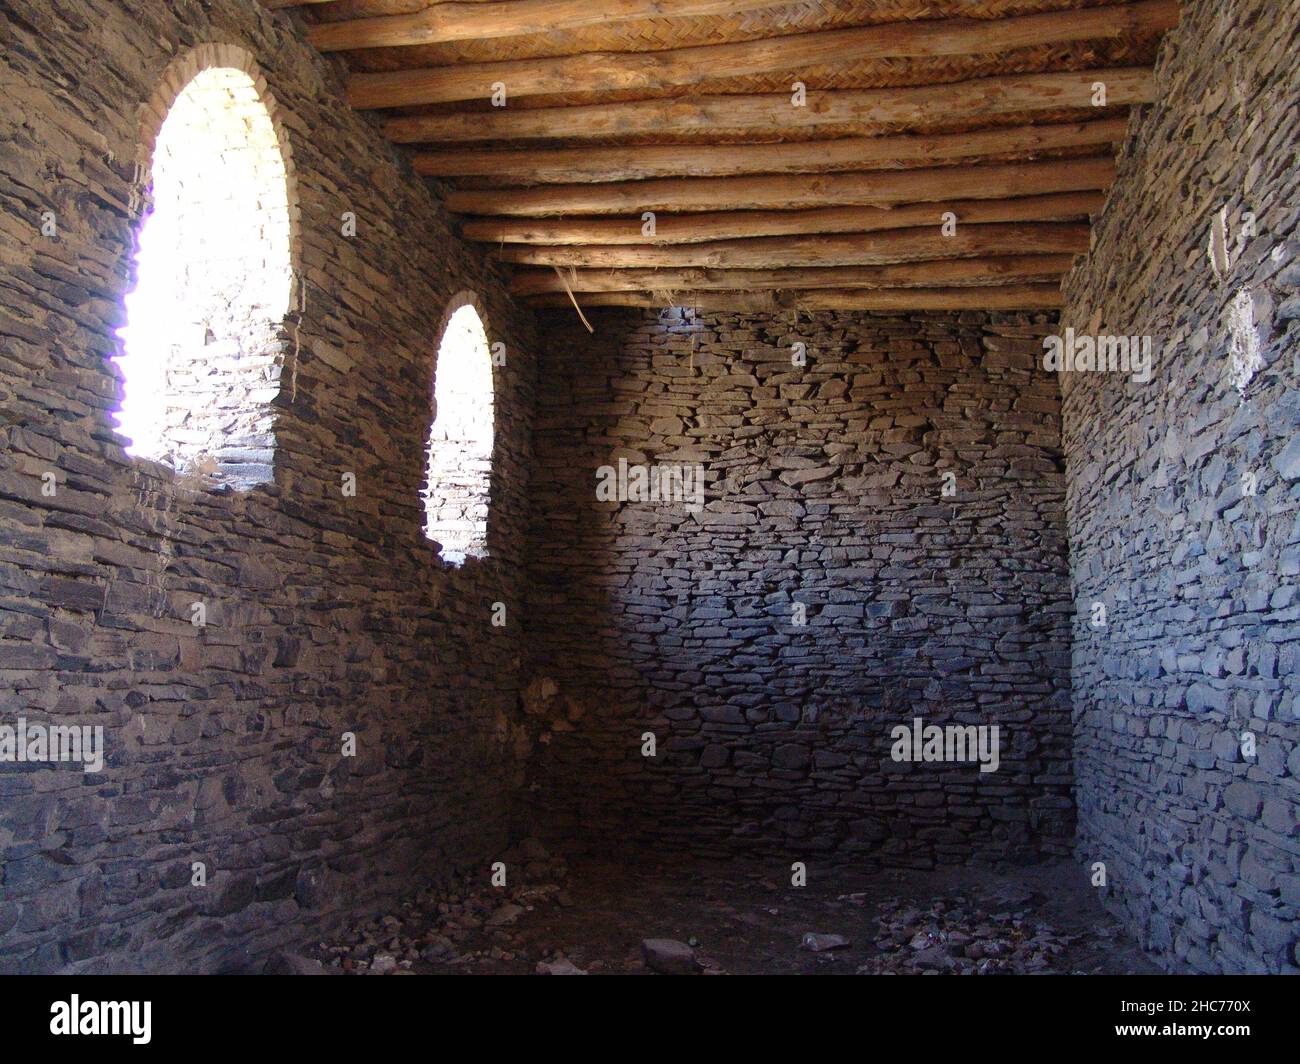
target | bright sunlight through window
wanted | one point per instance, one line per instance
(460, 442)
(213, 285)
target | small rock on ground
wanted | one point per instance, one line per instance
(669, 957)
(819, 943)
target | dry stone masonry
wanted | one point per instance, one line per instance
(1184, 502)
(891, 599)
(881, 539)
(325, 613)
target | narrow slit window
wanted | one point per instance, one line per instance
(456, 496)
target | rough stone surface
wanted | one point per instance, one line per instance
(823, 494)
(667, 956)
(325, 614)
(717, 681)
(560, 966)
(286, 963)
(1198, 574)
(817, 942)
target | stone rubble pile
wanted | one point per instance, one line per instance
(959, 935)
(466, 922)
(535, 925)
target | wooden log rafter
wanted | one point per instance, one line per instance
(771, 113)
(792, 191)
(727, 225)
(445, 22)
(837, 249)
(980, 271)
(996, 297)
(624, 164)
(621, 71)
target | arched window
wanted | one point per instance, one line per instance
(460, 441)
(204, 338)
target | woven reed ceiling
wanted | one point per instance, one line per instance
(662, 152)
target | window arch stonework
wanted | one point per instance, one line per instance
(215, 269)
(457, 493)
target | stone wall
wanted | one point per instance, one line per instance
(326, 613)
(824, 497)
(1184, 505)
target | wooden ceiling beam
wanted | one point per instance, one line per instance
(836, 249)
(770, 113)
(480, 21)
(981, 271)
(620, 71)
(993, 297)
(701, 160)
(875, 188)
(727, 225)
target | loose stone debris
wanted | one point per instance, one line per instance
(560, 966)
(964, 935)
(600, 918)
(286, 963)
(465, 924)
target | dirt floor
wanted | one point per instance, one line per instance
(592, 917)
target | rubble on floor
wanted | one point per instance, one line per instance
(468, 923)
(966, 934)
(612, 918)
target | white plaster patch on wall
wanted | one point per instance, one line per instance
(1244, 345)
(1217, 251)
